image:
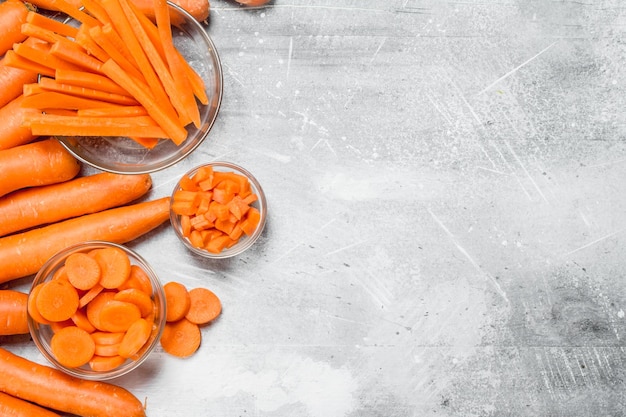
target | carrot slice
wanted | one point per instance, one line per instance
(138, 279)
(107, 350)
(53, 25)
(181, 338)
(82, 270)
(107, 338)
(135, 338)
(177, 300)
(95, 307)
(56, 326)
(57, 300)
(117, 316)
(105, 363)
(32, 305)
(138, 298)
(90, 295)
(115, 266)
(205, 306)
(79, 318)
(72, 346)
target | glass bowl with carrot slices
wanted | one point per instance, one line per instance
(125, 90)
(96, 310)
(218, 210)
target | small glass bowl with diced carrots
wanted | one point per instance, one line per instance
(218, 210)
(96, 310)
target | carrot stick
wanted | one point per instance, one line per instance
(39, 163)
(13, 14)
(52, 125)
(181, 338)
(177, 300)
(42, 56)
(14, 407)
(11, 81)
(50, 4)
(84, 39)
(37, 32)
(114, 111)
(46, 100)
(111, 43)
(50, 84)
(170, 125)
(95, 9)
(54, 389)
(32, 207)
(22, 254)
(73, 10)
(204, 306)
(198, 9)
(14, 60)
(65, 51)
(88, 80)
(53, 25)
(12, 131)
(13, 312)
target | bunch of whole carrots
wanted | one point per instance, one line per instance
(47, 205)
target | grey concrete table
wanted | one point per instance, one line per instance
(447, 214)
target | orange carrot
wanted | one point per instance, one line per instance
(94, 308)
(13, 14)
(39, 163)
(181, 338)
(107, 338)
(13, 312)
(137, 297)
(90, 295)
(50, 4)
(22, 254)
(37, 32)
(204, 307)
(118, 316)
(50, 24)
(66, 51)
(115, 266)
(177, 300)
(113, 111)
(72, 346)
(109, 40)
(62, 125)
(14, 407)
(72, 9)
(50, 84)
(83, 271)
(198, 9)
(138, 279)
(253, 2)
(54, 389)
(42, 56)
(12, 131)
(47, 100)
(11, 81)
(88, 80)
(57, 300)
(32, 305)
(27, 208)
(135, 338)
(105, 363)
(79, 318)
(14, 60)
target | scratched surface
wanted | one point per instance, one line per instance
(447, 213)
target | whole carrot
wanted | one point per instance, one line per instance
(15, 407)
(22, 254)
(53, 389)
(39, 163)
(13, 313)
(30, 207)
(199, 9)
(12, 131)
(13, 14)
(11, 82)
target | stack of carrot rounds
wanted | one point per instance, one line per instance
(117, 74)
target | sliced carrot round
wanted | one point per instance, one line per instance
(57, 300)
(96, 305)
(117, 316)
(105, 363)
(138, 279)
(135, 338)
(72, 346)
(137, 297)
(107, 338)
(82, 270)
(177, 300)
(204, 306)
(181, 338)
(32, 305)
(115, 266)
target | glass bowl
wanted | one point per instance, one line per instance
(124, 155)
(246, 240)
(42, 333)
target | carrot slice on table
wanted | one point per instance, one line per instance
(82, 270)
(181, 338)
(115, 266)
(117, 316)
(135, 338)
(177, 300)
(205, 306)
(57, 300)
(72, 346)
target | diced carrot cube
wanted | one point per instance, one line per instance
(252, 220)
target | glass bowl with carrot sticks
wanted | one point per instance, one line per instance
(218, 210)
(96, 310)
(125, 89)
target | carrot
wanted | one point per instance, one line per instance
(138, 279)
(80, 319)
(27, 208)
(14, 407)
(50, 84)
(83, 271)
(111, 42)
(13, 312)
(31, 306)
(47, 100)
(88, 80)
(253, 2)
(11, 81)
(64, 125)
(135, 338)
(177, 301)
(81, 58)
(181, 338)
(105, 363)
(72, 346)
(198, 9)
(54, 389)
(115, 266)
(39, 163)
(204, 307)
(14, 60)
(50, 4)
(52, 25)
(137, 297)
(12, 133)
(107, 350)
(42, 56)
(57, 300)
(113, 111)
(107, 338)
(13, 14)
(39, 33)
(118, 316)
(22, 254)
(94, 308)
